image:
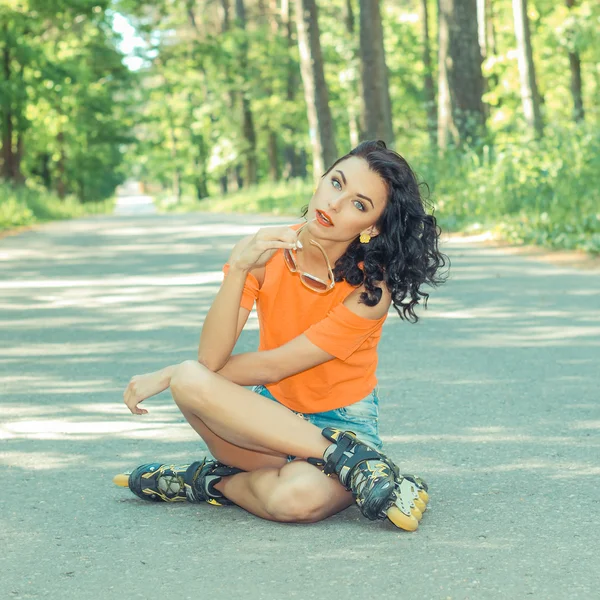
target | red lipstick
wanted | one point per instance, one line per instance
(324, 219)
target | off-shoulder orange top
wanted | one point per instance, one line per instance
(287, 309)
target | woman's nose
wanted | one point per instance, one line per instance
(336, 202)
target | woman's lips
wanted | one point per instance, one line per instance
(326, 222)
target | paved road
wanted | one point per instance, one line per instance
(493, 398)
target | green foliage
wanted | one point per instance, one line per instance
(65, 94)
(545, 192)
(85, 122)
(26, 206)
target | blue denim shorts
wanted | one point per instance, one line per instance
(362, 417)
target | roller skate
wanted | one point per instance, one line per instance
(156, 482)
(374, 480)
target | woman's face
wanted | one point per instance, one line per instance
(347, 202)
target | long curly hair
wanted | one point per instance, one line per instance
(405, 254)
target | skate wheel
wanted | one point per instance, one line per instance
(417, 513)
(424, 496)
(399, 519)
(122, 480)
(420, 504)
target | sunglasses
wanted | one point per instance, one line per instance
(310, 281)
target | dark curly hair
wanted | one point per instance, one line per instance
(405, 254)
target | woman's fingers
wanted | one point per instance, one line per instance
(281, 234)
(132, 400)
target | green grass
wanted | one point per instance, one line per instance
(24, 206)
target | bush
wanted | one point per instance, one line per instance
(25, 206)
(545, 192)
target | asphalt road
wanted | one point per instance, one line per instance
(493, 398)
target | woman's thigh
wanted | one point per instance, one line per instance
(230, 454)
(362, 417)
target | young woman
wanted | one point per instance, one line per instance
(323, 290)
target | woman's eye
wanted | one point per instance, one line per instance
(359, 205)
(334, 181)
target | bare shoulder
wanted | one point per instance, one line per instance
(352, 302)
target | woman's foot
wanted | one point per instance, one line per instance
(158, 482)
(374, 480)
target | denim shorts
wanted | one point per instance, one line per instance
(362, 417)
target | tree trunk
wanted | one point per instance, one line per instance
(461, 114)
(18, 176)
(274, 171)
(322, 134)
(291, 161)
(575, 66)
(272, 153)
(224, 15)
(248, 131)
(61, 188)
(529, 91)
(429, 87)
(377, 114)
(354, 125)
(200, 159)
(7, 117)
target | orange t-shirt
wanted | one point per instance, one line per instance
(287, 309)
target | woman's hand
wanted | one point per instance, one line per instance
(257, 250)
(144, 386)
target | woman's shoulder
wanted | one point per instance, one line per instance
(352, 302)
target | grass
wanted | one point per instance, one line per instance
(25, 206)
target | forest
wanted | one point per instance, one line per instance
(241, 104)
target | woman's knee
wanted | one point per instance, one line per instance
(189, 379)
(302, 497)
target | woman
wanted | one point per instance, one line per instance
(319, 329)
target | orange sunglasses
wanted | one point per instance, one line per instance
(310, 281)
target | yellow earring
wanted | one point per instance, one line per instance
(365, 238)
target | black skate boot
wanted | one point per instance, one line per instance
(157, 482)
(374, 480)
(200, 479)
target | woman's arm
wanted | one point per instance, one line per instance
(271, 366)
(224, 321)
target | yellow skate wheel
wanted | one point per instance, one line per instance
(424, 496)
(420, 504)
(122, 480)
(399, 519)
(417, 513)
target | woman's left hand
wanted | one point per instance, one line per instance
(141, 387)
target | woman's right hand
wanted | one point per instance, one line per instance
(255, 251)
(142, 387)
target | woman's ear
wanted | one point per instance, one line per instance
(373, 231)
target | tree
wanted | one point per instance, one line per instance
(316, 94)
(247, 120)
(461, 115)
(575, 67)
(530, 96)
(428, 85)
(377, 113)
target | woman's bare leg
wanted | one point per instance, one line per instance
(231, 455)
(241, 417)
(272, 488)
(296, 493)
